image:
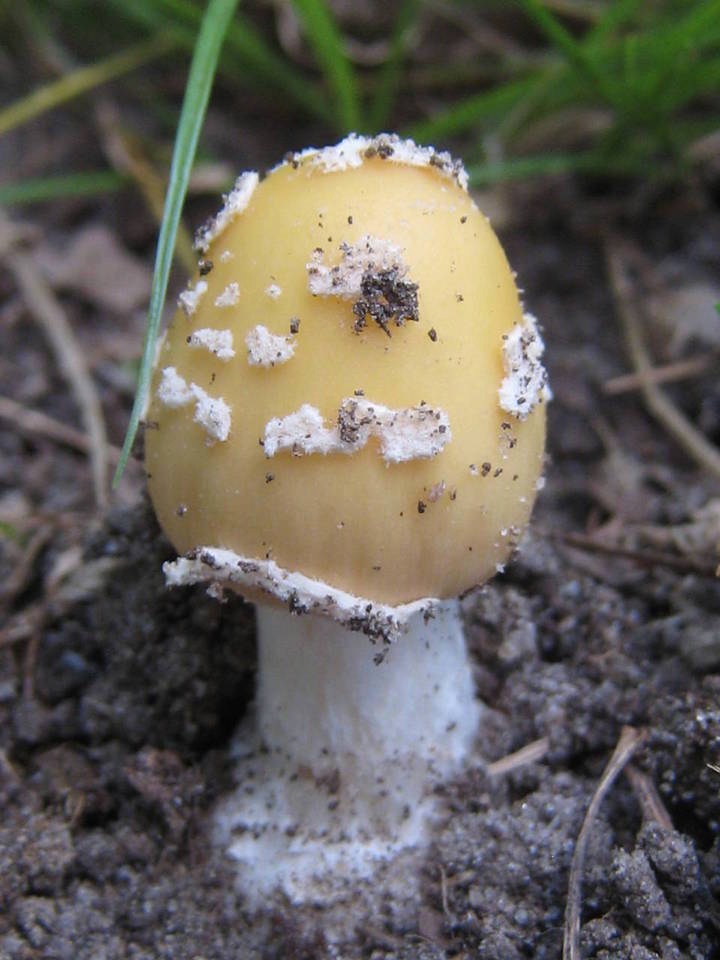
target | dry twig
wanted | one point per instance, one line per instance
(22, 626)
(46, 309)
(530, 753)
(444, 892)
(30, 659)
(39, 424)
(7, 770)
(382, 938)
(127, 157)
(648, 797)
(27, 627)
(630, 740)
(18, 578)
(658, 403)
(667, 373)
(649, 558)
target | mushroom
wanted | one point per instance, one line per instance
(352, 452)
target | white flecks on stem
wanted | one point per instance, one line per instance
(267, 349)
(211, 413)
(229, 296)
(219, 342)
(235, 202)
(404, 434)
(220, 567)
(369, 255)
(189, 299)
(354, 150)
(525, 384)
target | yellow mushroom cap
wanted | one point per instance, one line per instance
(351, 389)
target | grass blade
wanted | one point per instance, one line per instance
(197, 93)
(488, 105)
(565, 43)
(524, 168)
(247, 54)
(327, 42)
(617, 15)
(81, 81)
(72, 185)
(386, 94)
(245, 42)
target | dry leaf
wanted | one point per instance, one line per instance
(688, 315)
(97, 267)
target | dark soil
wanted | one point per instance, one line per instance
(118, 699)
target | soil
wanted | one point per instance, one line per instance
(118, 699)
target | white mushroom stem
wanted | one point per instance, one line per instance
(321, 694)
(339, 773)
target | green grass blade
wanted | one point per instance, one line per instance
(197, 93)
(524, 168)
(384, 100)
(327, 42)
(480, 108)
(248, 44)
(617, 14)
(72, 185)
(81, 81)
(574, 51)
(247, 54)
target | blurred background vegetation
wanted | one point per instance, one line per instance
(520, 88)
(625, 91)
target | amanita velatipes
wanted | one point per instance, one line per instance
(349, 423)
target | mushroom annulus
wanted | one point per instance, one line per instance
(348, 430)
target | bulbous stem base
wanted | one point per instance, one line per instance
(337, 766)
